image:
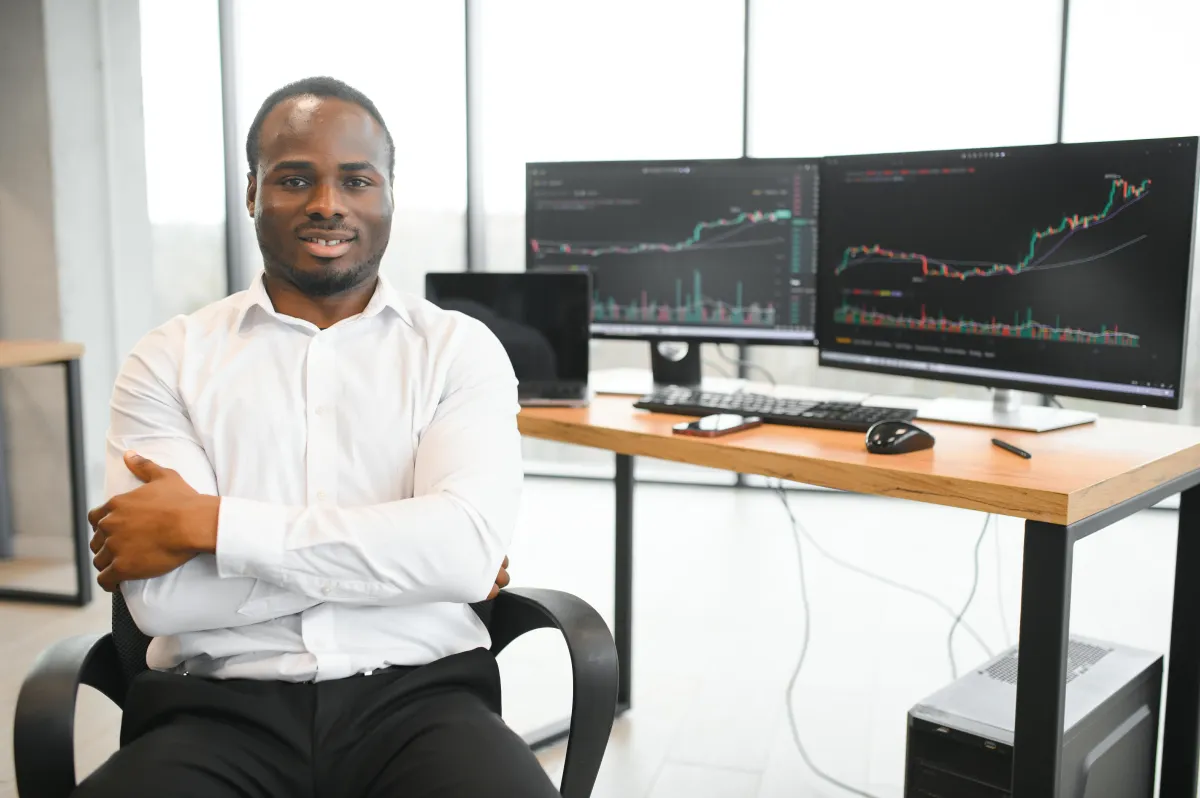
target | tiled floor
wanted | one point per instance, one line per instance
(718, 625)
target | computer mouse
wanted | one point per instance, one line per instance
(897, 437)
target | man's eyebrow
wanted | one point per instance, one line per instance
(357, 166)
(303, 166)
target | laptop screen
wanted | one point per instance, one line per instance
(541, 318)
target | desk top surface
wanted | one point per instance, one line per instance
(1074, 472)
(37, 353)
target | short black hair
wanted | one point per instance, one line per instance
(316, 87)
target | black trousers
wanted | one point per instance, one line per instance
(428, 732)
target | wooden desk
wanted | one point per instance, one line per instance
(1079, 481)
(14, 354)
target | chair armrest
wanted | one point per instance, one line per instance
(44, 721)
(594, 671)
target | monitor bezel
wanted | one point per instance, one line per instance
(499, 277)
(1001, 383)
(703, 335)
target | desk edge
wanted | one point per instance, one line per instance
(1041, 505)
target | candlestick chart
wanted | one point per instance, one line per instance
(1070, 261)
(727, 247)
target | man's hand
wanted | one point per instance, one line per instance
(154, 529)
(501, 580)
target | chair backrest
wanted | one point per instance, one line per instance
(130, 642)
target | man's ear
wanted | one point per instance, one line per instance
(251, 192)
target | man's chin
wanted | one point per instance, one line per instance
(320, 277)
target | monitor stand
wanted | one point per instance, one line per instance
(1004, 411)
(675, 363)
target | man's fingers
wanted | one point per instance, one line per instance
(502, 579)
(108, 579)
(102, 560)
(95, 515)
(495, 591)
(97, 541)
(144, 469)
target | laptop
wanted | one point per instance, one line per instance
(541, 318)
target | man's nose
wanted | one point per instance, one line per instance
(325, 202)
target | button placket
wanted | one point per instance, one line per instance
(321, 461)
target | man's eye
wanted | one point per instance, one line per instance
(357, 182)
(294, 182)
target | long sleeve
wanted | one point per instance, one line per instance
(444, 544)
(147, 417)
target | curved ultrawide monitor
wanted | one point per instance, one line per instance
(1059, 269)
(683, 250)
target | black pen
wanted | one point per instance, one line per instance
(1008, 447)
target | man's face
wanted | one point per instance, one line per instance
(321, 199)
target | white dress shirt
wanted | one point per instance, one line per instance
(370, 475)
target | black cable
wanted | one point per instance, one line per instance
(737, 361)
(791, 712)
(970, 598)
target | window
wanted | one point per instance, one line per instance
(882, 76)
(185, 161)
(1126, 66)
(607, 80)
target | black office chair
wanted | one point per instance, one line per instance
(43, 728)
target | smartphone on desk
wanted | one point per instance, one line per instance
(717, 424)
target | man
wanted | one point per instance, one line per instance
(311, 481)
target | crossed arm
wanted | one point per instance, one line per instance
(187, 560)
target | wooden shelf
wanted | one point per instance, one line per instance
(37, 353)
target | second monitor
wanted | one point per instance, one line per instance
(683, 251)
(1059, 269)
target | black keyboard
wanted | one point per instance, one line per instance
(771, 409)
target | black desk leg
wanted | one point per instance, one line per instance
(79, 526)
(622, 603)
(1181, 727)
(79, 509)
(6, 518)
(623, 579)
(1042, 673)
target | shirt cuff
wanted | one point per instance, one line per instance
(250, 539)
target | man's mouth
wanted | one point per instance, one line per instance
(331, 245)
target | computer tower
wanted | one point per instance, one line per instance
(960, 739)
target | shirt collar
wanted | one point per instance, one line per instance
(386, 297)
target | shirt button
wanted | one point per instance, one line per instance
(326, 590)
(321, 410)
(321, 495)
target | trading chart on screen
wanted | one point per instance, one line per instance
(1065, 260)
(715, 249)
